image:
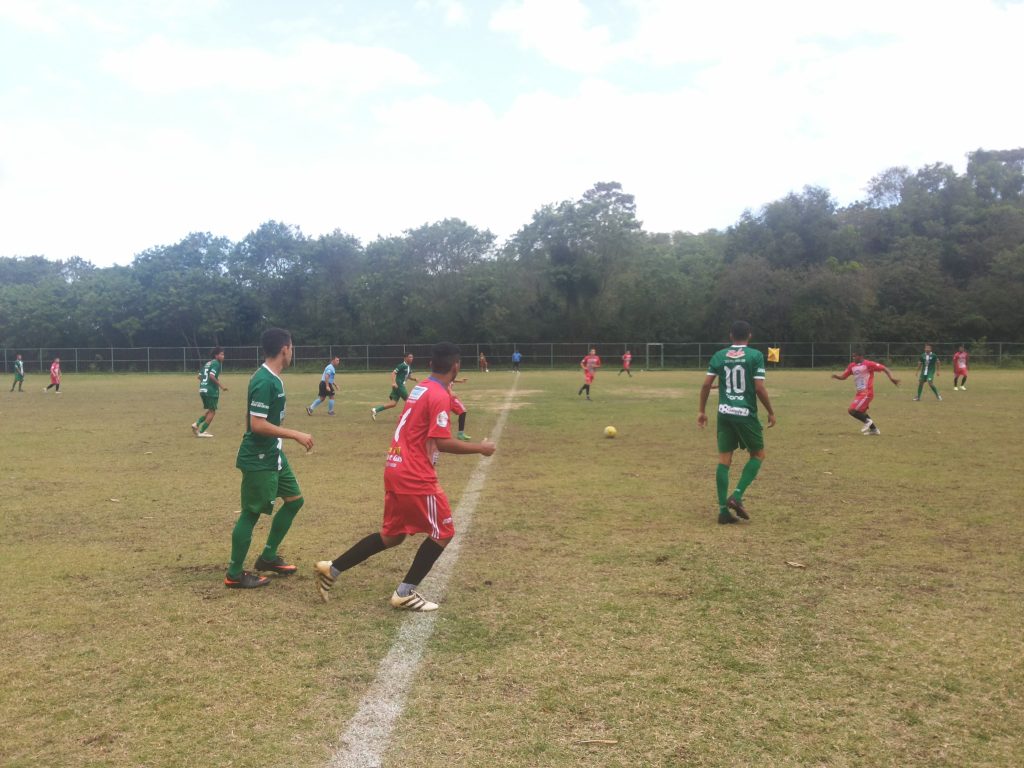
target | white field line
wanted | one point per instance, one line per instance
(369, 732)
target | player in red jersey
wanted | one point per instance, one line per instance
(627, 360)
(863, 372)
(590, 363)
(413, 499)
(55, 375)
(960, 368)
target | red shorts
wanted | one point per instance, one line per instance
(588, 377)
(457, 406)
(862, 401)
(407, 513)
(959, 371)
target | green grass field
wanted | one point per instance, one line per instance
(595, 599)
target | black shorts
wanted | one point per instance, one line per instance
(325, 390)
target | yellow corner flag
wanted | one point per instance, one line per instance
(773, 354)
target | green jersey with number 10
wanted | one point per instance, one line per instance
(737, 368)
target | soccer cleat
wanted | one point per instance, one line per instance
(329, 413)
(414, 601)
(373, 414)
(963, 388)
(724, 518)
(277, 565)
(939, 398)
(195, 429)
(865, 429)
(323, 578)
(247, 580)
(205, 434)
(917, 399)
(309, 411)
(463, 436)
(736, 505)
(874, 431)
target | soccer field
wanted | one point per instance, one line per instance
(869, 615)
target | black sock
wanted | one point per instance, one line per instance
(359, 552)
(462, 422)
(860, 416)
(425, 558)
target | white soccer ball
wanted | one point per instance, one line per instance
(610, 431)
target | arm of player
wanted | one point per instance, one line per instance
(451, 445)
(216, 381)
(762, 395)
(705, 391)
(840, 376)
(260, 426)
(888, 373)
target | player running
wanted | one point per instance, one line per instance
(413, 499)
(55, 375)
(590, 363)
(927, 370)
(209, 391)
(327, 387)
(401, 374)
(960, 368)
(740, 374)
(627, 360)
(863, 372)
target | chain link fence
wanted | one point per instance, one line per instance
(536, 355)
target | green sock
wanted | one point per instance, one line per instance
(241, 538)
(722, 485)
(935, 390)
(201, 422)
(279, 528)
(377, 409)
(204, 426)
(920, 386)
(750, 470)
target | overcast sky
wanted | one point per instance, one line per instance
(128, 124)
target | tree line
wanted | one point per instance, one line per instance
(927, 254)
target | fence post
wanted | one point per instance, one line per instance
(1000, 354)
(812, 355)
(551, 355)
(111, 359)
(184, 366)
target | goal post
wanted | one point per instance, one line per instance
(655, 356)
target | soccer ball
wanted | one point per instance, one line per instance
(610, 431)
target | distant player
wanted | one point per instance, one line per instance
(55, 375)
(863, 372)
(413, 499)
(209, 392)
(517, 358)
(266, 474)
(960, 368)
(627, 360)
(327, 387)
(401, 374)
(484, 368)
(590, 363)
(459, 410)
(19, 373)
(927, 370)
(740, 374)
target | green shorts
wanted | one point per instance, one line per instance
(923, 379)
(18, 377)
(739, 432)
(261, 488)
(398, 393)
(209, 401)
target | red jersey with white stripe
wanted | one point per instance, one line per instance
(410, 463)
(591, 362)
(960, 361)
(54, 371)
(863, 375)
(627, 359)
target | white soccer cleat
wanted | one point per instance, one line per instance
(195, 429)
(205, 434)
(309, 411)
(413, 602)
(373, 414)
(874, 432)
(865, 429)
(323, 578)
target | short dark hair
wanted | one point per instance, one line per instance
(443, 356)
(740, 331)
(274, 340)
(216, 351)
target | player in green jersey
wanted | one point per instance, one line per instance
(266, 474)
(399, 376)
(927, 370)
(19, 373)
(740, 374)
(209, 391)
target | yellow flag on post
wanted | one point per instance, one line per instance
(773, 354)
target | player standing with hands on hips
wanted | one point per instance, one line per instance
(740, 374)
(413, 499)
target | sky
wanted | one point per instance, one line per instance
(128, 124)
